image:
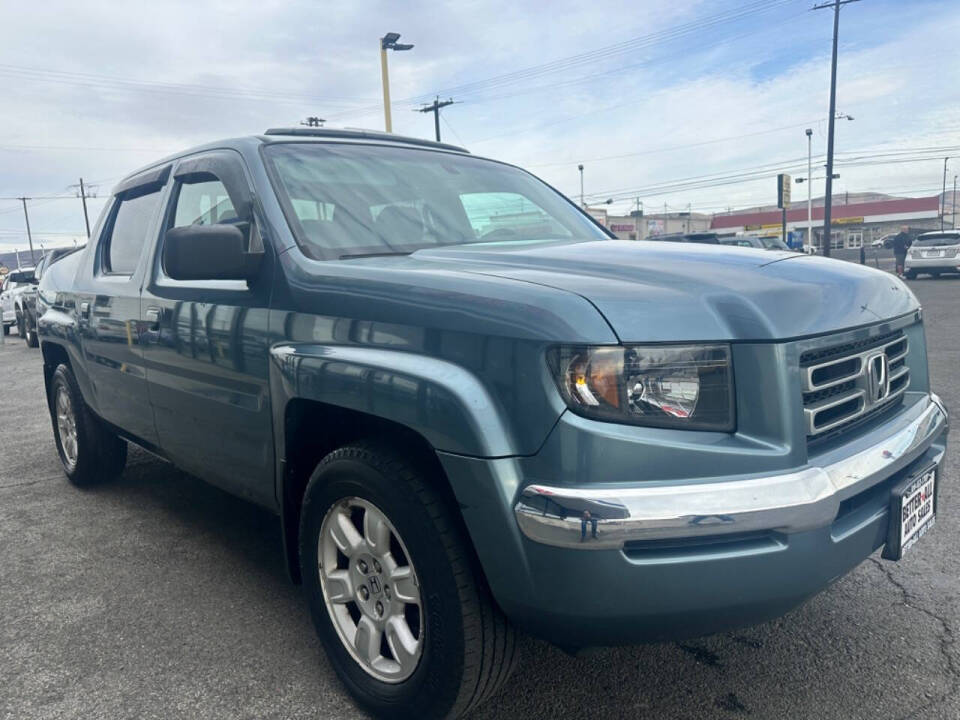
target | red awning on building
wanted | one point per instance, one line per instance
(798, 213)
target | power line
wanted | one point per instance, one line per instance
(743, 175)
(565, 64)
(133, 84)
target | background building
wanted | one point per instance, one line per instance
(626, 227)
(854, 224)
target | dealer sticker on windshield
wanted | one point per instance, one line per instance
(913, 507)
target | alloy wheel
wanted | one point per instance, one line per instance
(371, 590)
(66, 425)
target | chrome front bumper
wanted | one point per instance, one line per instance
(800, 500)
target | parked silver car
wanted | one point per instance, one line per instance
(934, 253)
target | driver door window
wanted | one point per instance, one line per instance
(204, 203)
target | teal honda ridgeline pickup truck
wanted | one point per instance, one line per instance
(475, 411)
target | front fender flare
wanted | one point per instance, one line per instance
(443, 402)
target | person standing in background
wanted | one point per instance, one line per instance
(900, 244)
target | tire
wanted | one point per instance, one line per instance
(6, 329)
(467, 647)
(30, 333)
(89, 451)
(911, 274)
(20, 325)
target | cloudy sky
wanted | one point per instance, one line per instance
(683, 102)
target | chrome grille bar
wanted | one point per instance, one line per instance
(850, 385)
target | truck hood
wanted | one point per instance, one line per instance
(653, 291)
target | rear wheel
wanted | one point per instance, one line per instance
(89, 451)
(6, 329)
(397, 599)
(911, 274)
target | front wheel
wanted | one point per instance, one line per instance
(911, 274)
(29, 333)
(397, 599)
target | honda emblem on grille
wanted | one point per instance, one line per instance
(878, 377)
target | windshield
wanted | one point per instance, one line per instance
(945, 239)
(345, 200)
(773, 243)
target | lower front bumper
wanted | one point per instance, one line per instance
(605, 518)
(741, 558)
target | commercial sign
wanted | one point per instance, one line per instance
(783, 190)
(622, 227)
(654, 227)
(846, 221)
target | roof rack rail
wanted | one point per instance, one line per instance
(362, 134)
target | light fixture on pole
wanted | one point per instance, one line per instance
(388, 42)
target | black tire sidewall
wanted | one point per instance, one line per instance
(433, 687)
(62, 377)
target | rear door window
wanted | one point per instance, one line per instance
(128, 232)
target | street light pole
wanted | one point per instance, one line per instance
(636, 224)
(580, 168)
(809, 186)
(943, 195)
(385, 79)
(388, 42)
(953, 204)
(828, 200)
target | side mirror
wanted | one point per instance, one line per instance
(208, 252)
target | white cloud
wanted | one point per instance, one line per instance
(282, 61)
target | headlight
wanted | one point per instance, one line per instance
(676, 386)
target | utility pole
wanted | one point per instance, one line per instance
(943, 195)
(26, 217)
(828, 200)
(434, 107)
(83, 197)
(580, 168)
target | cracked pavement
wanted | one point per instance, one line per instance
(161, 597)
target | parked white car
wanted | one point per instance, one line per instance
(934, 253)
(7, 293)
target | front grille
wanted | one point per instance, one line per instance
(846, 383)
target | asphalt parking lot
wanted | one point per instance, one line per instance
(159, 596)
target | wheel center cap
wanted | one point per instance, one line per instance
(376, 587)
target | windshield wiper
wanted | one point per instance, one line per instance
(350, 256)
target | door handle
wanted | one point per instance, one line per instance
(152, 318)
